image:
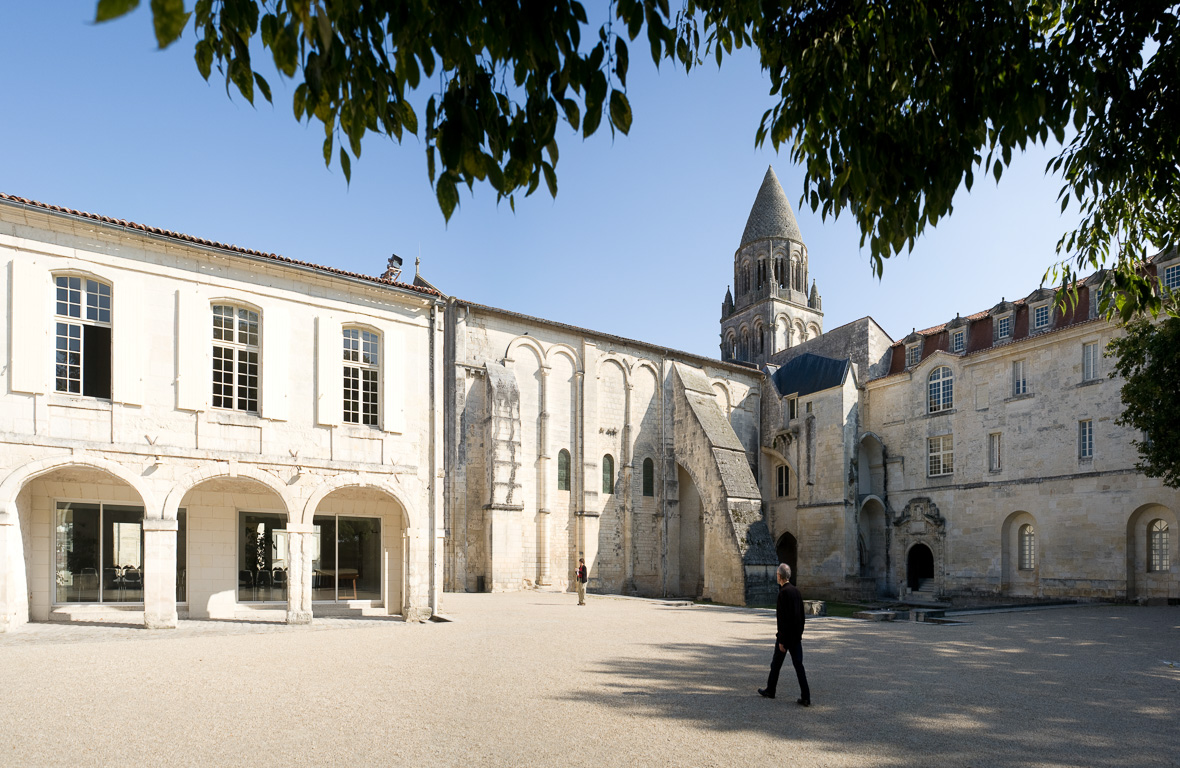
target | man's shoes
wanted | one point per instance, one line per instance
(800, 702)
(765, 693)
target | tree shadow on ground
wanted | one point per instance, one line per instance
(1074, 688)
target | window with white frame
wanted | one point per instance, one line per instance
(1086, 439)
(1019, 379)
(941, 453)
(362, 375)
(82, 365)
(1090, 358)
(1028, 547)
(1157, 546)
(1041, 316)
(913, 355)
(958, 341)
(235, 358)
(941, 390)
(1004, 327)
(1172, 277)
(993, 452)
(783, 481)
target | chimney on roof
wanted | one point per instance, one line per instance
(394, 268)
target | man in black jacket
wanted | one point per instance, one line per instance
(789, 639)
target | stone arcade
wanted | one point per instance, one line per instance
(195, 429)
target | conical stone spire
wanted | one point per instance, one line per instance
(771, 215)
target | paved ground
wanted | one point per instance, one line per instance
(532, 679)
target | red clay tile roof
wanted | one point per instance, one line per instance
(213, 244)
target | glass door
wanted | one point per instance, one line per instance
(98, 553)
(347, 565)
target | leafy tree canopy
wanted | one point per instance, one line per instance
(891, 106)
(1148, 358)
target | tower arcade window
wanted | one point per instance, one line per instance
(608, 474)
(649, 477)
(235, 358)
(361, 376)
(1157, 546)
(782, 485)
(1028, 547)
(82, 364)
(563, 470)
(941, 390)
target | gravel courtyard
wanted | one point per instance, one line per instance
(532, 679)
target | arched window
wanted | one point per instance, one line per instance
(1157, 546)
(608, 474)
(1028, 547)
(941, 389)
(563, 470)
(362, 369)
(649, 477)
(82, 365)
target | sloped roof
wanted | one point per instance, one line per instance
(809, 373)
(181, 237)
(771, 215)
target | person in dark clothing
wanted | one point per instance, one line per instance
(789, 639)
(580, 579)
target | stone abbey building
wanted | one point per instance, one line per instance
(189, 428)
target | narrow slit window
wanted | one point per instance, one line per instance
(608, 474)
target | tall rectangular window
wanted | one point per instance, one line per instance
(1019, 379)
(1086, 439)
(1089, 362)
(1041, 316)
(235, 358)
(1172, 277)
(958, 341)
(941, 455)
(649, 478)
(793, 408)
(263, 557)
(783, 481)
(993, 452)
(347, 563)
(98, 553)
(82, 365)
(1004, 327)
(361, 376)
(913, 355)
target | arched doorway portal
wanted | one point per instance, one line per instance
(919, 566)
(788, 552)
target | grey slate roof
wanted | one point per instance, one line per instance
(809, 373)
(771, 215)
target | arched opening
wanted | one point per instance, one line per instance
(362, 556)
(87, 551)
(919, 566)
(239, 548)
(788, 552)
(1152, 572)
(692, 538)
(1019, 560)
(872, 532)
(870, 467)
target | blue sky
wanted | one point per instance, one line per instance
(639, 241)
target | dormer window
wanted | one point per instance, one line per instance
(1041, 317)
(1004, 327)
(1172, 277)
(958, 341)
(913, 355)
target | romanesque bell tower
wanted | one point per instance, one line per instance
(770, 307)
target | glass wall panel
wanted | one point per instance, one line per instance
(347, 565)
(359, 558)
(181, 556)
(323, 574)
(77, 561)
(122, 554)
(262, 557)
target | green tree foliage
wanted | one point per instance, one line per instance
(891, 106)
(1148, 358)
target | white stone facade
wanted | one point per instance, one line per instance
(152, 446)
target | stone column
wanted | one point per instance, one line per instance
(7, 563)
(628, 500)
(544, 578)
(159, 573)
(300, 546)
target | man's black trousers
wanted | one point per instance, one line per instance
(776, 663)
